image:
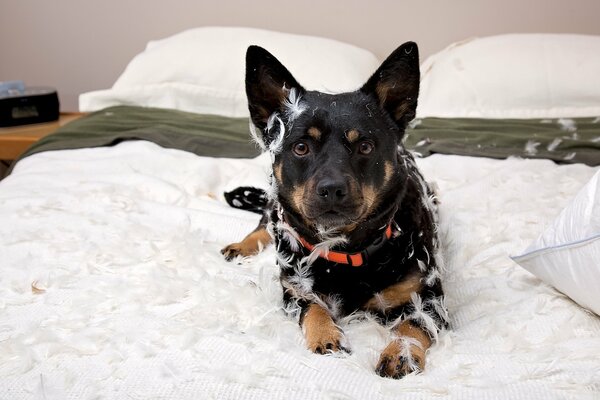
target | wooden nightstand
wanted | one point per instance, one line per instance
(15, 140)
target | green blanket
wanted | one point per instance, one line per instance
(204, 135)
(564, 141)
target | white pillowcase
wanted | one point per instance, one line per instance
(567, 254)
(202, 70)
(513, 76)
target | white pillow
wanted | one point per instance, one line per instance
(513, 76)
(202, 70)
(567, 254)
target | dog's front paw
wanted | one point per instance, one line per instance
(324, 341)
(250, 246)
(236, 249)
(399, 359)
(322, 334)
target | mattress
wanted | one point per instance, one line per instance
(113, 287)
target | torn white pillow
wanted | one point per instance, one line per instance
(567, 254)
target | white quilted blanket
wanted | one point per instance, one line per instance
(112, 287)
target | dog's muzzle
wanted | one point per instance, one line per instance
(333, 203)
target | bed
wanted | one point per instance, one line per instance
(113, 287)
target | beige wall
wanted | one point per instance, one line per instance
(82, 45)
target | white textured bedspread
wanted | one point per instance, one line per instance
(112, 287)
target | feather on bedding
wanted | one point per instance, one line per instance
(112, 286)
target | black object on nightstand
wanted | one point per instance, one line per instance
(20, 105)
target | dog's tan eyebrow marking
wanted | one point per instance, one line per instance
(352, 135)
(314, 133)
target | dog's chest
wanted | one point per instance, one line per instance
(355, 285)
(350, 286)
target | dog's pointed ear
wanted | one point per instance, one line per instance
(268, 84)
(395, 84)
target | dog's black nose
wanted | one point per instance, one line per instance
(332, 190)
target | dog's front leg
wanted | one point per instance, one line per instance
(252, 244)
(406, 353)
(321, 332)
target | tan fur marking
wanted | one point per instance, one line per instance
(298, 198)
(395, 295)
(320, 331)
(250, 246)
(388, 171)
(348, 229)
(370, 198)
(382, 91)
(371, 195)
(352, 135)
(314, 133)
(278, 171)
(401, 110)
(392, 363)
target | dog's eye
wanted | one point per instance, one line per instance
(365, 147)
(301, 149)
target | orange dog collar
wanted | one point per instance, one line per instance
(352, 259)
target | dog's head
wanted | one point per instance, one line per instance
(335, 156)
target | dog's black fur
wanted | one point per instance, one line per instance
(340, 176)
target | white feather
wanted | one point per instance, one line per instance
(302, 279)
(439, 304)
(380, 302)
(290, 235)
(567, 124)
(531, 147)
(423, 317)
(294, 107)
(276, 144)
(255, 137)
(554, 144)
(321, 249)
(433, 276)
(422, 265)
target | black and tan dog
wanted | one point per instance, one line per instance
(353, 220)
